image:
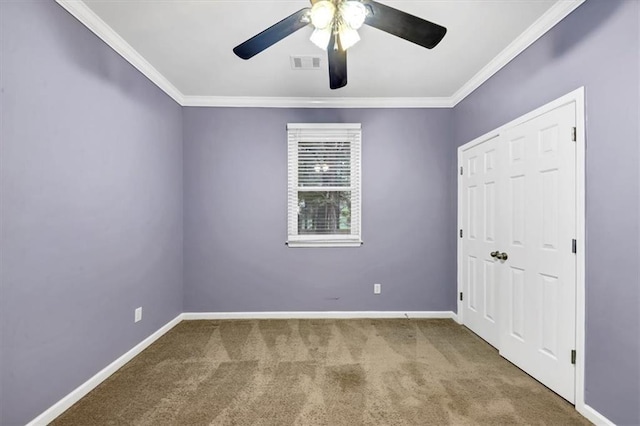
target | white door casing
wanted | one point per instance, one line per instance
(539, 187)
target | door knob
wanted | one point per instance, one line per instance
(502, 256)
(495, 253)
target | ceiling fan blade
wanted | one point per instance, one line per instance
(272, 35)
(403, 25)
(337, 64)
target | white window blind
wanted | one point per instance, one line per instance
(324, 184)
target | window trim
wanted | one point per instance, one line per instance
(329, 132)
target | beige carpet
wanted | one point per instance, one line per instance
(320, 372)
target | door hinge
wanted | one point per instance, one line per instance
(461, 233)
(574, 134)
(574, 246)
(461, 170)
(460, 295)
(573, 356)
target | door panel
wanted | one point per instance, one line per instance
(489, 291)
(490, 211)
(518, 186)
(539, 214)
(515, 287)
(549, 325)
(480, 234)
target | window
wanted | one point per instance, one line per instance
(324, 185)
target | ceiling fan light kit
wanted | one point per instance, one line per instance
(336, 24)
(344, 24)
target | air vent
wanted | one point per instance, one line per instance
(305, 62)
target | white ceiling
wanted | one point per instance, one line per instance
(186, 45)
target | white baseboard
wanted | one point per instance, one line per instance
(317, 315)
(65, 403)
(593, 416)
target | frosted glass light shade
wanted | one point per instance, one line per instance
(348, 37)
(353, 13)
(321, 37)
(322, 14)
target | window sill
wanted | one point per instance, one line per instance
(297, 244)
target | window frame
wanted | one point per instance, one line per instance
(324, 132)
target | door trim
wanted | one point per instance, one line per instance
(577, 96)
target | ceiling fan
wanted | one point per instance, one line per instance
(336, 24)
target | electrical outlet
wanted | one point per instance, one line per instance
(377, 288)
(138, 314)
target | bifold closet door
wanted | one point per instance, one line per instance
(538, 280)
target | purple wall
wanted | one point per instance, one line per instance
(91, 212)
(236, 215)
(597, 46)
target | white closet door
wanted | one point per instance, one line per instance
(538, 279)
(480, 274)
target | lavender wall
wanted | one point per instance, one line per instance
(91, 212)
(236, 213)
(597, 46)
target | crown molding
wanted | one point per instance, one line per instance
(300, 102)
(548, 20)
(88, 17)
